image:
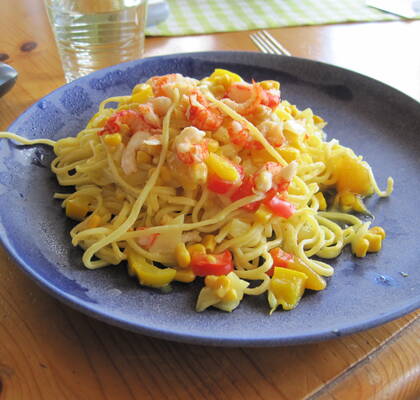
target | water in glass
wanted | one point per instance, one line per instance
(93, 34)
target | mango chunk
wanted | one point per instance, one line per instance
(352, 175)
(76, 209)
(222, 167)
(224, 77)
(286, 288)
(147, 273)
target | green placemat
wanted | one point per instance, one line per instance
(208, 16)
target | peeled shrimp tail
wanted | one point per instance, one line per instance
(128, 158)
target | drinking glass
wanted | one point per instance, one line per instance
(93, 34)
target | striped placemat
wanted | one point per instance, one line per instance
(208, 16)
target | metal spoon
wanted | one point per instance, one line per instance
(8, 77)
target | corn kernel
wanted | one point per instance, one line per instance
(196, 248)
(143, 158)
(211, 281)
(94, 221)
(183, 257)
(321, 200)
(199, 173)
(75, 209)
(263, 215)
(375, 242)
(184, 275)
(377, 230)
(212, 145)
(222, 286)
(282, 114)
(267, 85)
(231, 295)
(294, 110)
(141, 93)
(224, 77)
(222, 167)
(361, 247)
(209, 242)
(112, 139)
(317, 119)
(307, 114)
(223, 281)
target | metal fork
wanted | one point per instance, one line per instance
(267, 44)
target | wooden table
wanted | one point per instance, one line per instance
(49, 351)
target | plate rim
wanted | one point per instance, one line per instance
(104, 315)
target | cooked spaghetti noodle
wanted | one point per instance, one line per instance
(217, 178)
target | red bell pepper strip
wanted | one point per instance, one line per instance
(221, 186)
(278, 206)
(218, 185)
(280, 259)
(246, 189)
(212, 264)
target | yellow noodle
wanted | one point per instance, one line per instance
(116, 204)
(22, 140)
(87, 256)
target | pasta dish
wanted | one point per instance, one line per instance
(216, 180)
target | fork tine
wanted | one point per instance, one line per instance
(260, 43)
(274, 43)
(271, 48)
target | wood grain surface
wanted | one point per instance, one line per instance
(49, 351)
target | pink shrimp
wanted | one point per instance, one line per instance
(270, 98)
(191, 146)
(159, 82)
(240, 136)
(128, 156)
(144, 118)
(165, 85)
(245, 97)
(273, 132)
(149, 116)
(202, 115)
(130, 118)
(146, 241)
(273, 175)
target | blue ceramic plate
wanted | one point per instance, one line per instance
(372, 118)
